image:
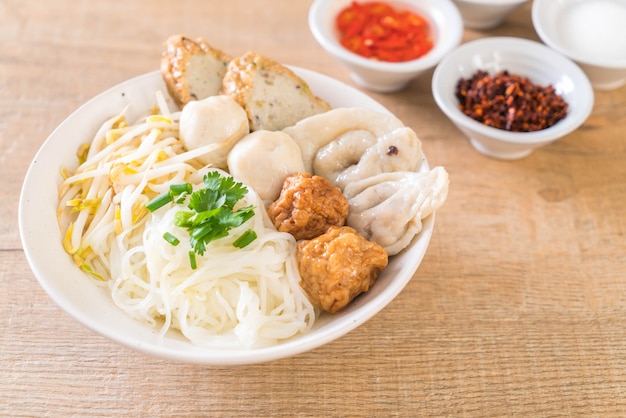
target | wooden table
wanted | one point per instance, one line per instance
(518, 309)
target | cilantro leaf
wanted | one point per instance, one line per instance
(231, 191)
(211, 213)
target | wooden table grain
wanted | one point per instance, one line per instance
(518, 309)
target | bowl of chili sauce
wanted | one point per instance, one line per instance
(385, 45)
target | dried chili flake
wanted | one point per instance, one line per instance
(508, 101)
(378, 31)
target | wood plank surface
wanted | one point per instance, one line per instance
(518, 309)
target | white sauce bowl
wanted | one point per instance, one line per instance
(486, 14)
(590, 32)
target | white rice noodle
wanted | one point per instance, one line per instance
(235, 298)
(247, 297)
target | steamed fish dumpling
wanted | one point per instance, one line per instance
(349, 144)
(359, 155)
(388, 208)
(263, 160)
(315, 132)
(211, 127)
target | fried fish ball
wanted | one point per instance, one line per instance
(337, 266)
(307, 206)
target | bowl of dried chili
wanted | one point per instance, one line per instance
(510, 96)
(385, 45)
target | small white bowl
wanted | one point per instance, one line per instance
(590, 32)
(447, 29)
(542, 65)
(486, 14)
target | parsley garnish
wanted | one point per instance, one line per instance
(211, 213)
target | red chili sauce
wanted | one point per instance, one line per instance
(378, 31)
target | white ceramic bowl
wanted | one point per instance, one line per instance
(486, 14)
(523, 57)
(90, 305)
(445, 22)
(590, 32)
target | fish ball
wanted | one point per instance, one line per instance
(213, 125)
(263, 160)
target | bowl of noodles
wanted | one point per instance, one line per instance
(112, 309)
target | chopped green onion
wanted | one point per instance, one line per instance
(179, 192)
(192, 260)
(159, 201)
(171, 239)
(176, 193)
(245, 239)
(178, 189)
